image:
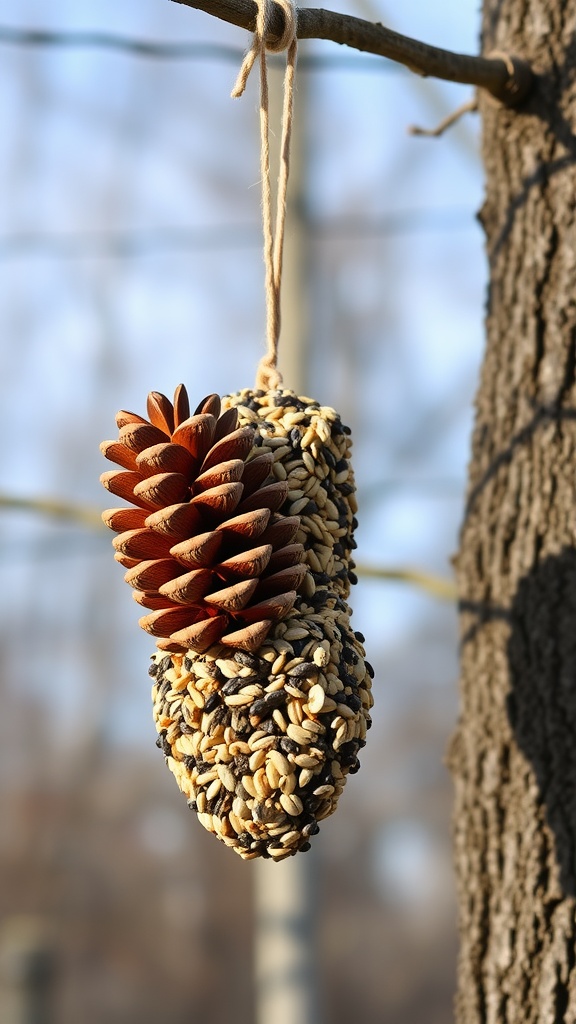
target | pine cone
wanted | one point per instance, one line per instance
(204, 546)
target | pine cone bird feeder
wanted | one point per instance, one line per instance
(240, 545)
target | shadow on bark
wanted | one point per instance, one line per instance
(543, 414)
(542, 103)
(542, 700)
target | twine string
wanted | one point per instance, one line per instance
(268, 377)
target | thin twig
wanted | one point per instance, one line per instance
(505, 77)
(83, 515)
(434, 133)
(439, 586)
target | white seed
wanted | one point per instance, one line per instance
(279, 719)
(291, 803)
(288, 783)
(238, 747)
(324, 791)
(228, 667)
(311, 726)
(227, 777)
(316, 698)
(238, 700)
(306, 761)
(184, 745)
(294, 691)
(263, 788)
(299, 734)
(213, 789)
(295, 712)
(321, 657)
(248, 783)
(272, 773)
(280, 762)
(257, 759)
(290, 837)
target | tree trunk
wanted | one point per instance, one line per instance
(513, 755)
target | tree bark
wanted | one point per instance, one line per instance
(513, 755)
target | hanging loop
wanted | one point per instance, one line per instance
(268, 376)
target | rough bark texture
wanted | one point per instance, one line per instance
(513, 755)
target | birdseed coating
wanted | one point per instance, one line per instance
(261, 743)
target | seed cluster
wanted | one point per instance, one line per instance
(261, 742)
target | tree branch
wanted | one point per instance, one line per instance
(507, 78)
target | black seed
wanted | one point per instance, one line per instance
(212, 670)
(349, 749)
(321, 579)
(305, 847)
(241, 764)
(348, 656)
(347, 489)
(299, 645)
(354, 523)
(310, 509)
(355, 767)
(242, 727)
(165, 664)
(222, 716)
(159, 742)
(185, 728)
(369, 669)
(245, 840)
(338, 549)
(368, 723)
(361, 743)
(257, 441)
(354, 702)
(269, 725)
(190, 762)
(331, 461)
(353, 578)
(312, 828)
(166, 746)
(346, 429)
(341, 465)
(191, 804)
(232, 686)
(245, 658)
(275, 699)
(258, 709)
(188, 663)
(152, 670)
(211, 702)
(223, 805)
(295, 437)
(305, 668)
(288, 746)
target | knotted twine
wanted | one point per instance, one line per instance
(268, 376)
